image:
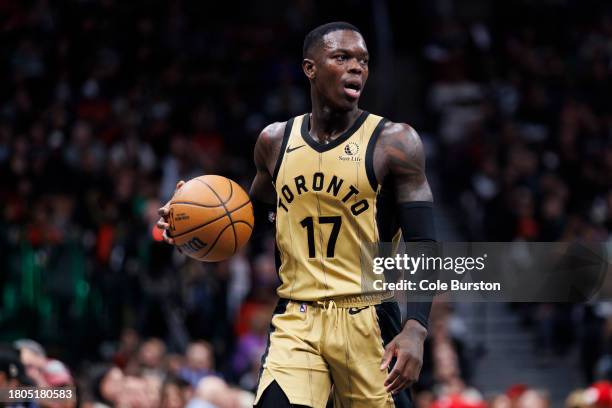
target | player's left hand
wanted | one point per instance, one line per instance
(164, 212)
(407, 348)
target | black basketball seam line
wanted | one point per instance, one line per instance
(211, 221)
(243, 222)
(215, 242)
(231, 190)
(219, 236)
(193, 203)
(219, 197)
(228, 214)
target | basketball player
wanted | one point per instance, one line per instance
(327, 175)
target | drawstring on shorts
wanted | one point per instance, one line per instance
(329, 306)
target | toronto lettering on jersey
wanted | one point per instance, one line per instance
(318, 183)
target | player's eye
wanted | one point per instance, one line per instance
(341, 58)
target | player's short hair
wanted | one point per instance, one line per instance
(314, 37)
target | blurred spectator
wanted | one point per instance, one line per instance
(172, 394)
(532, 399)
(577, 400)
(151, 358)
(135, 393)
(128, 345)
(56, 374)
(12, 372)
(199, 363)
(598, 394)
(107, 386)
(214, 392)
(250, 347)
(500, 401)
(34, 359)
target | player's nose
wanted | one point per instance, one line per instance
(355, 67)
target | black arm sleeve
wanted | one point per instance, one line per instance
(416, 220)
(264, 223)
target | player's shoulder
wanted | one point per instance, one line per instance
(270, 141)
(394, 134)
(392, 130)
(273, 132)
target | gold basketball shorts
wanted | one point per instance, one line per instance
(314, 345)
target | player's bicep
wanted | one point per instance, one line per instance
(406, 164)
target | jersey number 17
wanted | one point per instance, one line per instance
(308, 223)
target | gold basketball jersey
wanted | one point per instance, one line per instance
(326, 210)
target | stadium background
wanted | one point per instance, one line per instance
(105, 104)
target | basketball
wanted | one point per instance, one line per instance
(211, 218)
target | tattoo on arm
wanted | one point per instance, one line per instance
(406, 164)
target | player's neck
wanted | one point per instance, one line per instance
(327, 124)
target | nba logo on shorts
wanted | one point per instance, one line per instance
(303, 308)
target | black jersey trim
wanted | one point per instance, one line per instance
(369, 157)
(281, 308)
(320, 147)
(281, 154)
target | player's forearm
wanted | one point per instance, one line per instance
(263, 213)
(417, 223)
(263, 198)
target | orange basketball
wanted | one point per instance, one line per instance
(211, 218)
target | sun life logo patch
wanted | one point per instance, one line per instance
(351, 151)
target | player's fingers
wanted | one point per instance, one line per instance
(179, 185)
(387, 356)
(162, 224)
(408, 375)
(163, 211)
(397, 385)
(397, 371)
(413, 369)
(167, 239)
(401, 377)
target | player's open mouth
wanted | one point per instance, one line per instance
(352, 89)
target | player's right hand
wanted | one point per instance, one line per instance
(163, 212)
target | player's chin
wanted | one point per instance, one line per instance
(347, 104)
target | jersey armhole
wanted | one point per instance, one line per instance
(281, 154)
(369, 157)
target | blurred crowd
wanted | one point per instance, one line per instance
(106, 104)
(143, 373)
(521, 115)
(518, 105)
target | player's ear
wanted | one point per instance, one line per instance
(309, 68)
